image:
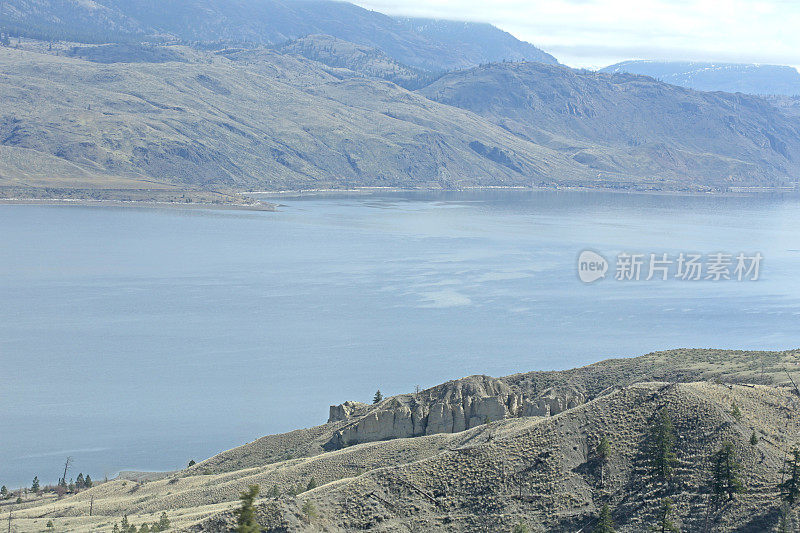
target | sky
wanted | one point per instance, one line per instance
(597, 33)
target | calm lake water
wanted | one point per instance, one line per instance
(136, 338)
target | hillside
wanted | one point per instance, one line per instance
(539, 469)
(632, 125)
(241, 121)
(727, 77)
(428, 44)
(175, 122)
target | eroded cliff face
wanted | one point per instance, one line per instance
(449, 408)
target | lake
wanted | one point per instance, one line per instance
(141, 338)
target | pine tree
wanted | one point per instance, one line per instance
(378, 397)
(125, 524)
(79, 481)
(603, 453)
(726, 472)
(312, 484)
(662, 447)
(87, 482)
(4, 492)
(521, 527)
(191, 463)
(309, 511)
(163, 522)
(665, 524)
(35, 484)
(753, 439)
(246, 515)
(605, 524)
(790, 487)
(735, 412)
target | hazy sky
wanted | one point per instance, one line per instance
(596, 33)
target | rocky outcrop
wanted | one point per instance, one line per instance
(449, 408)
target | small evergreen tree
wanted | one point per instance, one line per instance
(662, 447)
(163, 521)
(603, 450)
(605, 523)
(665, 524)
(312, 484)
(378, 397)
(4, 492)
(521, 527)
(35, 484)
(603, 454)
(726, 472)
(87, 482)
(79, 481)
(125, 524)
(753, 439)
(71, 486)
(790, 487)
(736, 413)
(309, 510)
(191, 463)
(246, 515)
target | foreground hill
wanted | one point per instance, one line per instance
(425, 43)
(727, 77)
(632, 125)
(539, 469)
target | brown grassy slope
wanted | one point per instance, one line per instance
(626, 123)
(728, 366)
(264, 121)
(542, 473)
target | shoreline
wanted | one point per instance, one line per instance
(152, 204)
(260, 205)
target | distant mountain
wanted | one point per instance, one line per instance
(728, 77)
(422, 43)
(632, 125)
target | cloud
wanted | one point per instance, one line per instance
(593, 33)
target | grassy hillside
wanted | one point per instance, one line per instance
(252, 120)
(539, 470)
(631, 124)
